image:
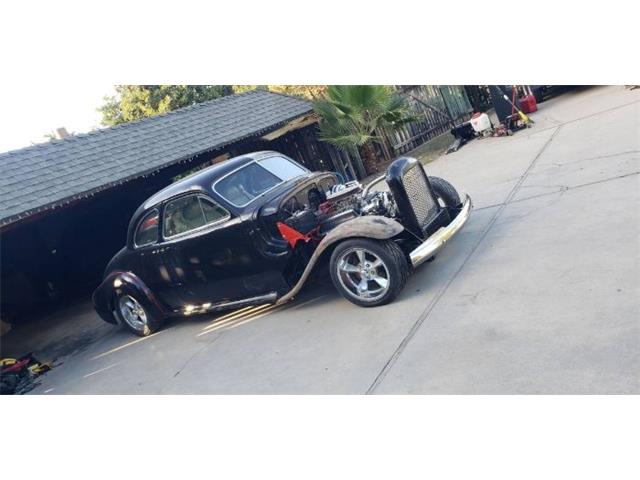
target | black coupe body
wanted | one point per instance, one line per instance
(252, 229)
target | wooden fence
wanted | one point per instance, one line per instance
(437, 107)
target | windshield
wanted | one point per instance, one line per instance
(245, 184)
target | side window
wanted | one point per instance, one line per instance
(147, 232)
(212, 211)
(188, 213)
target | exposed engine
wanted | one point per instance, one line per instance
(342, 202)
(379, 203)
(362, 202)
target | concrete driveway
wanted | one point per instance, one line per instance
(539, 293)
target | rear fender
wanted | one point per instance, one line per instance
(370, 226)
(125, 283)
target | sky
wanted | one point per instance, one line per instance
(30, 111)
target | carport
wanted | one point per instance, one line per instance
(65, 205)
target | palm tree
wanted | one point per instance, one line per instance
(351, 116)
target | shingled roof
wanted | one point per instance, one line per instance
(47, 175)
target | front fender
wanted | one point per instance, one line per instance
(370, 226)
(117, 283)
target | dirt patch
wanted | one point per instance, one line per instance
(433, 149)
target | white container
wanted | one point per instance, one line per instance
(481, 123)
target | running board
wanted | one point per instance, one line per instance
(217, 307)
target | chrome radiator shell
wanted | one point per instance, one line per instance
(414, 196)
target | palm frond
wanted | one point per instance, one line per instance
(351, 114)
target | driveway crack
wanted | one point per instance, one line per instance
(190, 359)
(562, 189)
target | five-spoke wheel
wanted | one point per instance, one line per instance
(368, 272)
(363, 274)
(134, 316)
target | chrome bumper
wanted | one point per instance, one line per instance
(435, 242)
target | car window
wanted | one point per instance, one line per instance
(245, 184)
(188, 213)
(282, 167)
(212, 211)
(147, 232)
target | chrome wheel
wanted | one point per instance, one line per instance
(132, 312)
(363, 274)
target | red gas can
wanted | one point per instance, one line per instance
(528, 104)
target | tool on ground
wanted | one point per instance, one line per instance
(528, 100)
(481, 123)
(525, 119)
(17, 375)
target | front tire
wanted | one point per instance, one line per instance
(134, 316)
(369, 272)
(447, 197)
(445, 192)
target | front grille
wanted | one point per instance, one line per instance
(419, 195)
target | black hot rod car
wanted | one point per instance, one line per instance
(252, 229)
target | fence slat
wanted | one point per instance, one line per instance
(445, 101)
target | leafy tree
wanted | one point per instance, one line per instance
(352, 115)
(133, 102)
(309, 92)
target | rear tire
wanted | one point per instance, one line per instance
(369, 272)
(134, 316)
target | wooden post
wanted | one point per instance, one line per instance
(384, 143)
(446, 106)
(359, 165)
